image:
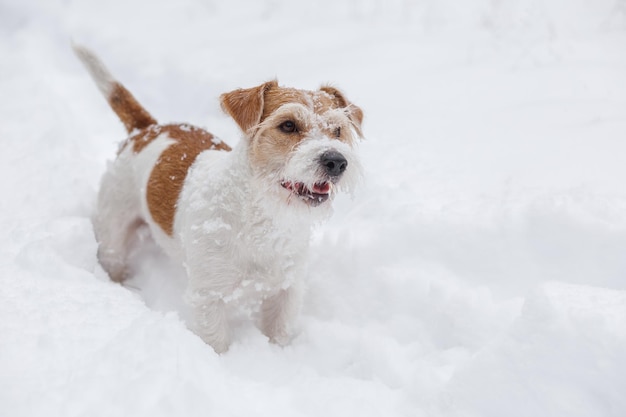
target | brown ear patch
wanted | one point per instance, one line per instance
(245, 105)
(169, 173)
(354, 112)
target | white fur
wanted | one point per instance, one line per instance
(241, 235)
(302, 164)
(122, 203)
(245, 242)
(242, 238)
(98, 71)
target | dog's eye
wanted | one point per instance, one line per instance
(288, 127)
(338, 132)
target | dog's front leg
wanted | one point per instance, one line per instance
(210, 322)
(279, 314)
(204, 296)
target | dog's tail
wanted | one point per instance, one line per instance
(127, 108)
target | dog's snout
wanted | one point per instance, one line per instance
(334, 163)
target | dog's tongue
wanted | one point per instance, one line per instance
(321, 188)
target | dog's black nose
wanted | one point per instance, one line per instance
(333, 163)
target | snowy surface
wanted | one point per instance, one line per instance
(479, 271)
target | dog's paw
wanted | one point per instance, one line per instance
(219, 347)
(281, 338)
(220, 344)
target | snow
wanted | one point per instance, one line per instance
(478, 271)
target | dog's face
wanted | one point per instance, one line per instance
(301, 143)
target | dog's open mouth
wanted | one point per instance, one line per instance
(313, 196)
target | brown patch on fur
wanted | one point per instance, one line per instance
(169, 173)
(270, 145)
(275, 98)
(245, 105)
(314, 111)
(354, 112)
(145, 137)
(251, 106)
(259, 113)
(128, 109)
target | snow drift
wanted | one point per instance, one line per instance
(479, 271)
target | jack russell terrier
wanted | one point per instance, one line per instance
(240, 222)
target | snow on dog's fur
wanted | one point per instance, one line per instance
(239, 221)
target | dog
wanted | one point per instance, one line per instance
(239, 220)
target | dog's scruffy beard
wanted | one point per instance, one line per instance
(297, 187)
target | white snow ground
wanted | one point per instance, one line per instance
(479, 271)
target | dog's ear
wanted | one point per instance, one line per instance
(245, 105)
(355, 114)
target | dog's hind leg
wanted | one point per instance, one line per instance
(116, 220)
(114, 248)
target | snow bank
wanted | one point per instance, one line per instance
(564, 351)
(478, 272)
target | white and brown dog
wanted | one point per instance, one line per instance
(240, 222)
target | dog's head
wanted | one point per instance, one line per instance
(300, 143)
